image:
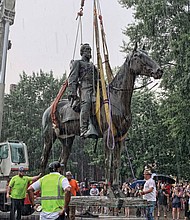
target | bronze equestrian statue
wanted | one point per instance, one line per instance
(120, 93)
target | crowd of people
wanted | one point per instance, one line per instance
(171, 199)
(163, 199)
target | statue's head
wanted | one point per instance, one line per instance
(85, 51)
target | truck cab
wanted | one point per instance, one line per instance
(13, 154)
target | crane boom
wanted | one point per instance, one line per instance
(7, 15)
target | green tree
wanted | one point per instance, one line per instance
(24, 108)
(144, 133)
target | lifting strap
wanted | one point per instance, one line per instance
(108, 69)
(109, 73)
(102, 80)
(55, 103)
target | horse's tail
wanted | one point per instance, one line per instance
(46, 121)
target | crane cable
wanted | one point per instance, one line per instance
(79, 27)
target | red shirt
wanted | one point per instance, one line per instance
(168, 188)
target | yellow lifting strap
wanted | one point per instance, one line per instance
(109, 72)
(102, 80)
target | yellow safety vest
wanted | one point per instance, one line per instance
(52, 193)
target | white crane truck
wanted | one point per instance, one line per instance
(13, 154)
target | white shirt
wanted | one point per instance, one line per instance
(50, 215)
(94, 192)
(150, 183)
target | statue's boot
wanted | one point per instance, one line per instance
(84, 118)
(91, 132)
(87, 128)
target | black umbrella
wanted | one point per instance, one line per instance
(164, 178)
(137, 182)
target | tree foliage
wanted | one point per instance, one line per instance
(163, 26)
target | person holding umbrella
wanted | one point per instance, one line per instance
(149, 193)
(162, 199)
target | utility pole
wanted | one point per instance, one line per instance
(7, 15)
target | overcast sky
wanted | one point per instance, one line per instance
(44, 31)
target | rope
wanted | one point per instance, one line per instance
(55, 102)
(110, 124)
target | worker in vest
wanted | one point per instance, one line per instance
(16, 190)
(55, 193)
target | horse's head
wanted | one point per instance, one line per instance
(142, 64)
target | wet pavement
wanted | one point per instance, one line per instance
(111, 218)
(35, 216)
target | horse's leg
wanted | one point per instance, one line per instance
(116, 169)
(109, 169)
(108, 160)
(49, 138)
(66, 150)
(116, 163)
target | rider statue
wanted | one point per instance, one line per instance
(82, 82)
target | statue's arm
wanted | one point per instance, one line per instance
(97, 78)
(73, 79)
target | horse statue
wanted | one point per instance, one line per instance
(120, 93)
